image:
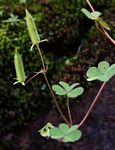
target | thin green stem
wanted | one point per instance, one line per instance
(92, 105)
(39, 51)
(69, 112)
(48, 84)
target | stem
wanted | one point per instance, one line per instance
(48, 84)
(108, 36)
(36, 74)
(54, 99)
(103, 30)
(41, 57)
(92, 105)
(90, 5)
(69, 113)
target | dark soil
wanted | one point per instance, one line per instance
(98, 131)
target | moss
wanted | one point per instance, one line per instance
(60, 23)
(19, 104)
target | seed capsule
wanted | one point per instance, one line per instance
(20, 73)
(32, 28)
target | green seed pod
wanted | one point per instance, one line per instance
(19, 68)
(32, 28)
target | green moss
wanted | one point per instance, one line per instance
(60, 22)
(19, 104)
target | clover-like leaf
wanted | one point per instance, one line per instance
(91, 15)
(65, 133)
(66, 89)
(103, 73)
(58, 89)
(75, 92)
(103, 23)
(73, 136)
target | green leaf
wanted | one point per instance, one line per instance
(111, 71)
(73, 86)
(87, 13)
(103, 66)
(73, 136)
(104, 72)
(103, 23)
(65, 134)
(96, 14)
(55, 133)
(58, 89)
(73, 128)
(100, 78)
(64, 85)
(91, 15)
(92, 72)
(63, 127)
(75, 92)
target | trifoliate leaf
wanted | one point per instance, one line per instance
(65, 133)
(103, 73)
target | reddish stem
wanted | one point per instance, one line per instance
(90, 5)
(92, 105)
(104, 31)
(69, 112)
(108, 36)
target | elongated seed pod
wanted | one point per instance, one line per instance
(32, 28)
(20, 73)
